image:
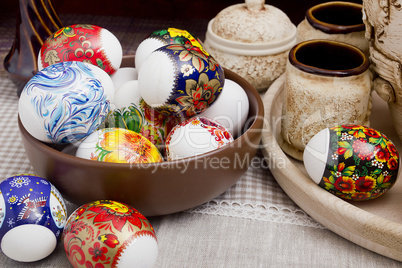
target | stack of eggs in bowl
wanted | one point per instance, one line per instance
(168, 130)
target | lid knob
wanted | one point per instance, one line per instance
(255, 5)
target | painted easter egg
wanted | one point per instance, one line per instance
(231, 108)
(352, 162)
(32, 217)
(109, 234)
(118, 145)
(162, 38)
(82, 42)
(196, 136)
(180, 80)
(65, 102)
(133, 113)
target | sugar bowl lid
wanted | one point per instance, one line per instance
(252, 28)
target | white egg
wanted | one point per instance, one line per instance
(157, 79)
(127, 94)
(231, 108)
(196, 136)
(163, 37)
(123, 75)
(145, 48)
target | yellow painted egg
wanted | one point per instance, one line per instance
(118, 145)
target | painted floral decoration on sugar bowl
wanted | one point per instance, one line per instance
(198, 80)
(107, 233)
(31, 208)
(362, 163)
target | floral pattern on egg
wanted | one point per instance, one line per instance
(143, 119)
(120, 145)
(362, 163)
(79, 42)
(198, 81)
(195, 136)
(68, 99)
(177, 36)
(102, 233)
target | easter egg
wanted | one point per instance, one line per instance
(133, 113)
(85, 43)
(107, 233)
(65, 102)
(123, 75)
(180, 80)
(32, 217)
(231, 108)
(352, 162)
(162, 38)
(118, 145)
(196, 136)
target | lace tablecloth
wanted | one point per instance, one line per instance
(252, 224)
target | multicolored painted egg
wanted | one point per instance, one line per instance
(118, 145)
(65, 102)
(82, 42)
(352, 162)
(109, 234)
(180, 80)
(32, 217)
(196, 136)
(162, 38)
(231, 108)
(133, 113)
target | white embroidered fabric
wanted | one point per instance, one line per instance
(261, 212)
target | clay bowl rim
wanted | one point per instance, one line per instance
(254, 129)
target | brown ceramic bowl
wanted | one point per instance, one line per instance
(157, 188)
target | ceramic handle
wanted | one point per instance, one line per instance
(255, 5)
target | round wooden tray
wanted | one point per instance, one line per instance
(375, 224)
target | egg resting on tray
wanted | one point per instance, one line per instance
(353, 162)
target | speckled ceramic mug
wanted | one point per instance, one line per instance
(338, 21)
(327, 83)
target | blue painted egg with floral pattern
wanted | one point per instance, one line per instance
(180, 80)
(65, 102)
(352, 162)
(32, 217)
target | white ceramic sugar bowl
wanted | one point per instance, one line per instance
(253, 40)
